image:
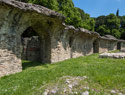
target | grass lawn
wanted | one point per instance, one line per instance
(104, 74)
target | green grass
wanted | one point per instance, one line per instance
(106, 74)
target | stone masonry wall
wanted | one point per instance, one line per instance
(122, 45)
(31, 49)
(106, 45)
(82, 45)
(15, 18)
(10, 59)
(71, 43)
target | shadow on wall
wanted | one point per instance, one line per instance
(119, 45)
(34, 47)
(96, 46)
(31, 45)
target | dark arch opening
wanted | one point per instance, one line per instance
(29, 32)
(30, 45)
(70, 41)
(119, 45)
(96, 46)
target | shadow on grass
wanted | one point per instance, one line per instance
(28, 64)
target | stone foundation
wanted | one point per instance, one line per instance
(9, 63)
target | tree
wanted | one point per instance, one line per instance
(112, 22)
(122, 27)
(109, 24)
(116, 33)
(87, 21)
(117, 13)
(102, 30)
(122, 22)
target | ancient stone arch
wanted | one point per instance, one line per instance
(31, 45)
(15, 18)
(119, 45)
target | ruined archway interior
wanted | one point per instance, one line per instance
(96, 46)
(30, 45)
(119, 45)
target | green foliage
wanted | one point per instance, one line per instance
(116, 33)
(122, 31)
(108, 25)
(87, 22)
(122, 22)
(102, 30)
(112, 22)
(122, 28)
(117, 13)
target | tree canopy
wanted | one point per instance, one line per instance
(111, 24)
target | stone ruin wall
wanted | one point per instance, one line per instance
(31, 49)
(10, 59)
(15, 18)
(123, 45)
(71, 43)
(106, 45)
(57, 41)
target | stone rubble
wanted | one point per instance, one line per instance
(122, 50)
(119, 55)
(67, 87)
(85, 93)
(116, 92)
(78, 86)
(113, 91)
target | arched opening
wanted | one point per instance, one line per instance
(96, 46)
(119, 45)
(30, 45)
(70, 41)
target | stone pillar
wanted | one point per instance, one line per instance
(10, 59)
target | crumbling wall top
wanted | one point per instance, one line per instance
(31, 7)
(81, 30)
(119, 40)
(108, 37)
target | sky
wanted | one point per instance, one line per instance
(101, 7)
